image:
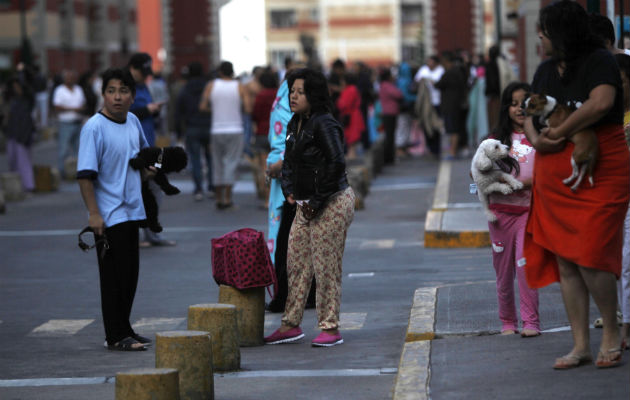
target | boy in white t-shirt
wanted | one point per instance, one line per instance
(111, 191)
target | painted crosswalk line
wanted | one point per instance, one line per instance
(60, 327)
(158, 324)
(377, 244)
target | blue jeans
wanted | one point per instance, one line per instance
(198, 141)
(68, 139)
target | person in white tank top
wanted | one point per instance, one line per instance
(224, 98)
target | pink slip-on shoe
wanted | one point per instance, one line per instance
(291, 335)
(325, 339)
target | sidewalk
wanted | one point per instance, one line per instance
(453, 349)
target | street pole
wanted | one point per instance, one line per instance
(621, 27)
(25, 52)
(497, 16)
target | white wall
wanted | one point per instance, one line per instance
(242, 34)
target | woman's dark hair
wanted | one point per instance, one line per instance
(315, 88)
(121, 74)
(384, 75)
(351, 79)
(269, 79)
(503, 131)
(27, 92)
(566, 24)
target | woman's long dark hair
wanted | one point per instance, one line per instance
(315, 88)
(566, 24)
(503, 131)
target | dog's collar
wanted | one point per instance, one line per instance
(158, 163)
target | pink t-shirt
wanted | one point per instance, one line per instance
(523, 152)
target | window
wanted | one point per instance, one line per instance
(278, 57)
(283, 19)
(411, 14)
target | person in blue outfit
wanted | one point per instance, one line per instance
(111, 191)
(146, 109)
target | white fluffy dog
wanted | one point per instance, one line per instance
(487, 174)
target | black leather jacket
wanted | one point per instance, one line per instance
(314, 166)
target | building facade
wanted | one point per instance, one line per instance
(76, 34)
(377, 32)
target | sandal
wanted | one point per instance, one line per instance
(127, 344)
(614, 362)
(529, 333)
(570, 361)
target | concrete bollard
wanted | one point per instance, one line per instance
(70, 168)
(47, 178)
(220, 321)
(11, 183)
(189, 352)
(148, 384)
(250, 312)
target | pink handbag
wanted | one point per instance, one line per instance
(241, 259)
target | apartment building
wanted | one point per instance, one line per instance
(77, 34)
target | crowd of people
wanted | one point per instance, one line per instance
(299, 127)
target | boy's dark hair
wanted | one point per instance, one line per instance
(121, 74)
(503, 131)
(603, 27)
(269, 79)
(226, 69)
(315, 88)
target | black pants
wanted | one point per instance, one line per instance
(282, 246)
(389, 124)
(118, 269)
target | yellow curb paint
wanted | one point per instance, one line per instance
(443, 239)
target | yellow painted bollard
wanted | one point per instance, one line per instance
(190, 352)
(250, 311)
(220, 321)
(148, 384)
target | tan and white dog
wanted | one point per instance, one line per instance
(487, 174)
(551, 113)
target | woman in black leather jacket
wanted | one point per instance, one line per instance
(314, 176)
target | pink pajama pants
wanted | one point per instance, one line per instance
(316, 247)
(507, 235)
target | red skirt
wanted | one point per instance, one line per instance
(585, 227)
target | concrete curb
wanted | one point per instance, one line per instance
(414, 372)
(438, 230)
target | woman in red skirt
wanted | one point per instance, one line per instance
(576, 237)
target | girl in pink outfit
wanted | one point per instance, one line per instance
(507, 233)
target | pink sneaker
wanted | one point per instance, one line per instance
(291, 335)
(325, 339)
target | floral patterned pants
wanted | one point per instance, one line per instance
(316, 247)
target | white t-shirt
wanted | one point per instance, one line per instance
(71, 98)
(433, 77)
(226, 107)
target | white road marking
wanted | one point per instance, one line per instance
(243, 374)
(560, 329)
(377, 244)
(351, 321)
(361, 275)
(158, 324)
(60, 327)
(402, 186)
